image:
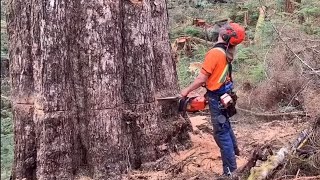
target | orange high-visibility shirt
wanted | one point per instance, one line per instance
(215, 65)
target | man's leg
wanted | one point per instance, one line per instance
(225, 143)
(234, 141)
(222, 136)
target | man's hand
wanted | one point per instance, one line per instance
(201, 78)
(184, 92)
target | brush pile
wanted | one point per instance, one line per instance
(305, 160)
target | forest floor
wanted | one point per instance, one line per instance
(203, 159)
(254, 63)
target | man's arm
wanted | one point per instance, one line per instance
(200, 79)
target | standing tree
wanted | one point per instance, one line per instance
(84, 78)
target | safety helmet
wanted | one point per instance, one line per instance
(232, 33)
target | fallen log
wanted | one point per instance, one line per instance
(201, 41)
(262, 172)
(273, 115)
(260, 153)
(211, 32)
(266, 169)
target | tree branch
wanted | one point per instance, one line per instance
(285, 43)
(307, 178)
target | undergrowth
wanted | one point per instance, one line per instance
(6, 131)
(310, 13)
(4, 38)
(186, 76)
(6, 114)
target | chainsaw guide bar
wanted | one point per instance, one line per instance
(169, 98)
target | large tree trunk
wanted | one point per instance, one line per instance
(85, 75)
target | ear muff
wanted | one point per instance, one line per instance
(227, 33)
(226, 37)
(232, 33)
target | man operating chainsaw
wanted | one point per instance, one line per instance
(216, 76)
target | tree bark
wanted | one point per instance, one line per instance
(85, 75)
(21, 72)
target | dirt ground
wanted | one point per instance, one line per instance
(204, 157)
(203, 161)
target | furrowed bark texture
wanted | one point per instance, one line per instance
(85, 75)
(21, 72)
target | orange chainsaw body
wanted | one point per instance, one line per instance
(196, 104)
(188, 104)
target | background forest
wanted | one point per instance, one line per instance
(277, 68)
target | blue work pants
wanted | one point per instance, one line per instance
(223, 134)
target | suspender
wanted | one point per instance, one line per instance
(230, 70)
(223, 47)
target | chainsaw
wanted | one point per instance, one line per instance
(200, 103)
(188, 104)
